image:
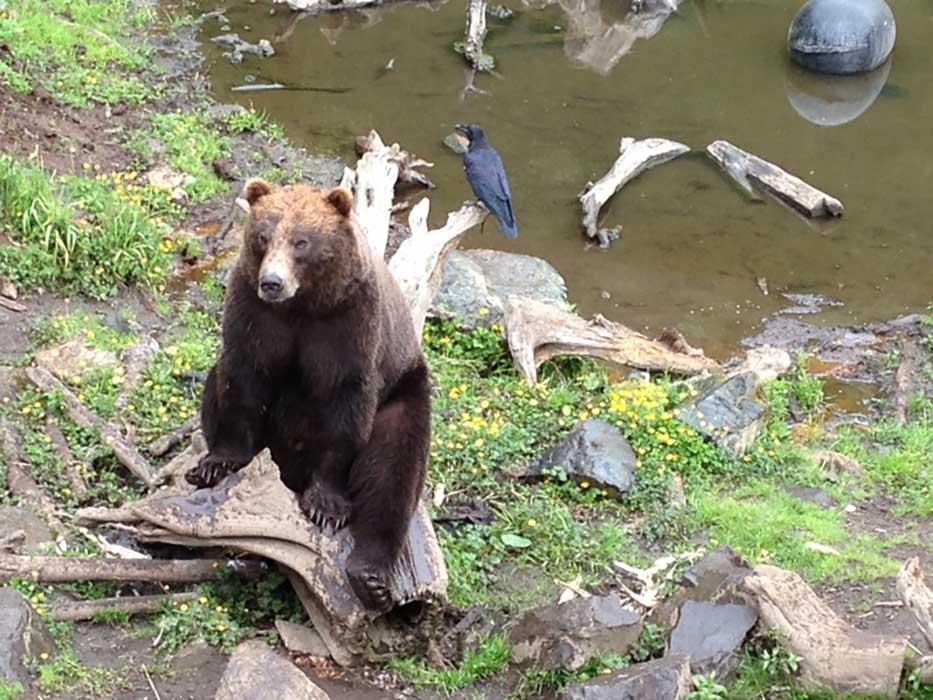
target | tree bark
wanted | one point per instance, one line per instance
(131, 605)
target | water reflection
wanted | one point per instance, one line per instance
(831, 100)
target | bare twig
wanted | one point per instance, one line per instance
(151, 684)
(162, 445)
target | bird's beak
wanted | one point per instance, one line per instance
(461, 128)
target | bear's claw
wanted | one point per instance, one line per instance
(325, 507)
(210, 471)
(372, 589)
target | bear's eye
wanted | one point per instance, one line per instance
(301, 244)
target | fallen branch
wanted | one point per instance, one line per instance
(407, 163)
(654, 578)
(419, 261)
(110, 434)
(20, 483)
(72, 467)
(905, 379)
(12, 305)
(129, 605)
(162, 445)
(70, 569)
(917, 596)
(135, 359)
(833, 654)
(747, 169)
(325, 6)
(635, 157)
(537, 332)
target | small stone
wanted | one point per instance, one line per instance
(74, 358)
(595, 451)
(456, 143)
(301, 639)
(766, 363)
(23, 637)
(809, 494)
(256, 672)
(850, 509)
(8, 289)
(711, 635)
(664, 679)
(569, 634)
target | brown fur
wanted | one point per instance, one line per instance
(330, 376)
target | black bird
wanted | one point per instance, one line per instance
(486, 175)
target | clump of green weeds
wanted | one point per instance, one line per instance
(486, 660)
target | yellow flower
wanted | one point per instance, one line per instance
(532, 522)
(221, 628)
(202, 600)
(584, 484)
(183, 607)
(483, 311)
(44, 655)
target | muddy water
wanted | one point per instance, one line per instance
(692, 248)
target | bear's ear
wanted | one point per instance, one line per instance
(341, 200)
(255, 189)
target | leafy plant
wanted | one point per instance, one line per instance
(484, 661)
(707, 688)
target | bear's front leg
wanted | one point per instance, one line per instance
(233, 410)
(386, 482)
(325, 501)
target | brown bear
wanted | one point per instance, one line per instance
(321, 364)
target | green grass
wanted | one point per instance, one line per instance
(10, 690)
(73, 237)
(486, 660)
(78, 50)
(255, 122)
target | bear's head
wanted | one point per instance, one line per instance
(302, 242)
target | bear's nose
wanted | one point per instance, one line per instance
(271, 283)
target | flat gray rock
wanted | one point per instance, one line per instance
(594, 451)
(663, 679)
(570, 634)
(711, 635)
(810, 494)
(728, 414)
(301, 639)
(22, 637)
(256, 672)
(476, 284)
(14, 518)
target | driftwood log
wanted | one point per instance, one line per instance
(70, 569)
(833, 654)
(748, 170)
(408, 163)
(634, 158)
(418, 263)
(109, 434)
(252, 511)
(129, 605)
(917, 596)
(537, 332)
(373, 188)
(475, 36)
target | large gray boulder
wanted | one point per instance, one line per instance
(256, 672)
(596, 452)
(567, 635)
(663, 679)
(842, 36)
(23, 637)
(711, 635)
(476, 284)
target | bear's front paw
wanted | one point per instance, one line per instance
(210, 471)
(325, 506)
(371, 585)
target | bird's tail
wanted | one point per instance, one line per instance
(508, 226)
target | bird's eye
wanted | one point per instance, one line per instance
(301, 244)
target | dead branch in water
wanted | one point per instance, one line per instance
(537, 332)
(475, 35)
(634, 158)
(747, 169)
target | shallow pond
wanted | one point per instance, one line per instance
(692, 249)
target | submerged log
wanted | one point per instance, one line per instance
(634, 158)
(475, 35)
(747, 170)
(537, 332)
(833, 654)
(917, 596)
(419, 261)
(109, 433)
